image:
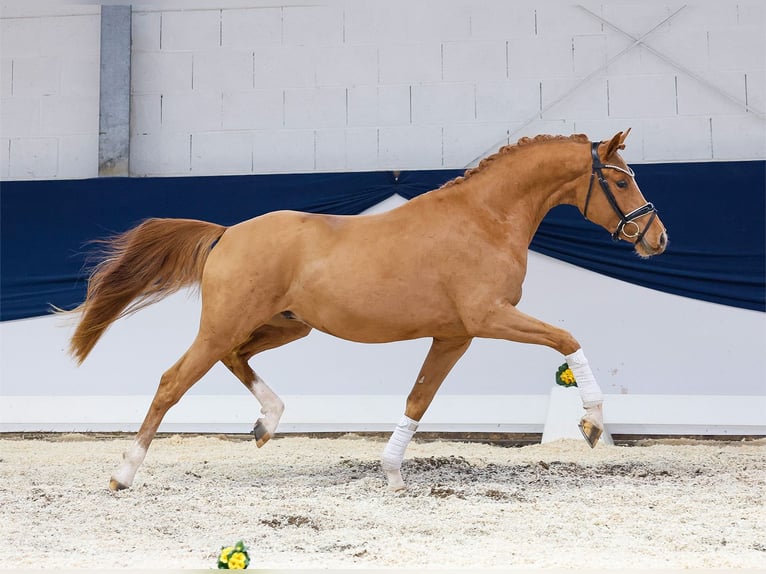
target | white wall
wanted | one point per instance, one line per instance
(254, 87)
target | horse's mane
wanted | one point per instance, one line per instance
(509, 149)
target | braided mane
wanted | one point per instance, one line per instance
(509, 149)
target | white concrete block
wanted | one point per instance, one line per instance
(330, 149)
(558, 19)
(78, 156)
(19, 37)
(443, 104)
(250, 27)
(410, 147)
(36, 76)
(352, 149)
(60, 115)
(738, 138)
(737, 48)
(6, 77)
(474, 61)
(500, 19)
(78, 35)
(756, 89)
(649, 96)
(285, 67)
(704, 15)
(637, 19)
(677, 139)
(223, 70)
(161, 72)
(588, 101)
(588, 53)
(750, 12)
(257, 109)
(191, 30)
(145, 31)
(196, 111)
(430, 20)
(463, 144)
(374, 22)
(20, 117)
(221, 153)
(347, 66)
(604, 129)
(312, 25)
(80, 76)
(540, 57)
(145, 114)
(689, 48)
(160, 154)
(410, 63)
(5, 158)
(379, 105)
(315, 108)
(283, 151)
(33, 158)
(697, 99)
(515, 99)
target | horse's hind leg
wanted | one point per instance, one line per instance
(275, 333)
(441, 358)
(173, 384)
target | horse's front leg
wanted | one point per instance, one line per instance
(506, 322)
(440, 359)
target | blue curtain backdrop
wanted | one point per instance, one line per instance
(714, 213)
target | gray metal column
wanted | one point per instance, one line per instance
(114, 106)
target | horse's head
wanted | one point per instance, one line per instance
(612, 199)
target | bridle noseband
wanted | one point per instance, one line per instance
(625, 219)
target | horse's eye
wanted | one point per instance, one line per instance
(622, 184)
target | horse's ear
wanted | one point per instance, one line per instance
(616, 143)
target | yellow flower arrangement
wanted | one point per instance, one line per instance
(565, 376)
(234, 557)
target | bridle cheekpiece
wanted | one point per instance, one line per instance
(638, 234)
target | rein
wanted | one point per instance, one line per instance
(625, 219)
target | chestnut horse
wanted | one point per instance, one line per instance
(448, 265)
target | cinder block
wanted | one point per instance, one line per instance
(556, 19)
(379, 105)
(697, 99)
(704, 15)
(588, 53)
(71, 35)
(588, 101)
(69, 115)
(187, 113)
(256, 109)
(250, 27)
(19, 37)
(315, 108)
(145, 113)
(191, 30)
(347, 66)
(649, 96)
(443, 104)
(540, 57)
(374, 22)
(410, 147)
(36, 76)
(20, 117)
(161, 72)
(677, 139)
(313, 25)
(638, 18)
(78, 156)
(756, 89)
(33, 158)
(515, 99)
(738, 48)
(738, 138)
(160, 154)
(285, 67)
(223, 70)
(80, 76)
(6, 77)
(430, 20)
(500, 19)
(5, 158)
(750, 12)
(410, 63)
(145, 31)
(283, 151)
(221, 153)
(603, 130)
(473, 60)
(346, 149)
(464, 144)
(330, 149)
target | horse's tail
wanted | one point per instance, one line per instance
(140, 267)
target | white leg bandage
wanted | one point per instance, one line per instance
(590, 392)
(393, 454)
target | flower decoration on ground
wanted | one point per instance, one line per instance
(565, 376)
(234, 557)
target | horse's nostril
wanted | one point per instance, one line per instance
(663, 240)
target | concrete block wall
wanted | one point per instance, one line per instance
(332, 85)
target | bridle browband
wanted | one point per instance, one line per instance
(625, 219)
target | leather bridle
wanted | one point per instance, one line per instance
(625, 219)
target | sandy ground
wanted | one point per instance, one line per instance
(323, 503)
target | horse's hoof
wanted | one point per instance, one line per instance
(590, 432)
(261, 434)
(395, 481)
(116, 485)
